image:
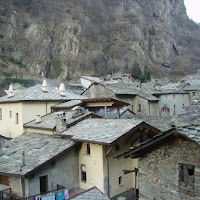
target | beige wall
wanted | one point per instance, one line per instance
(16, 186)
(9, 127)
(34, 130)
(26, 112)
(116, 167)
(94, 166)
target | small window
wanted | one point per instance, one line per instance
(10, 114)
(88, 149)
(174, 96)
(43, 184)
(117, 148)
(17, 118)
(83, 174)
(0, 113)
(120, 181)
(174, 109)
(193, 93)
(187, 174)
(4, 180)
(139, 108)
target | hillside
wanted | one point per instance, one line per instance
(67, 38)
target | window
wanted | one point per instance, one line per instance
(174, 109)
(10, 114)
(0, 113)
(17, 118)
(117, 148)
(4, 180)
(43, 184)
(120, 181)
(83, 173)
(139, 108)
(174, 96)
(193, 93)
(88, 149)
(187, 175)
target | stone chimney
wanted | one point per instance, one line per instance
(62, 89)
(1, 149)
(60, 122)
(10, 91)
(22, 158)
(44, 86)
(138, 86)
(157, 86)
(38, 119)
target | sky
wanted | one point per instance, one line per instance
(193, 9)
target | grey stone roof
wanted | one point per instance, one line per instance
(192, 132)
(48, 121)
(92, 194)
(91, 78)
(121, 88)
(68, 104)
(161, 123)
(35, 93)
(103, 131)
(189, 115)
(39, 148)
(192, 87)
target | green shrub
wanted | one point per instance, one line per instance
(152, 30)
(17, 62)
(7, 74)
(25, 25)
(56, 68)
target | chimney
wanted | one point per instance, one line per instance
(157, 86)
(138, 86)
(44, 86)
(60, 122)
(38, 119)
(62, 89)
(1, 149)
(22, 158)
(10, 91)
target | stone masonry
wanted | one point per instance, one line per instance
(160, 172)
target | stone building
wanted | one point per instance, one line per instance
(169, 166)
(35, 163)
(140, 103)
(22, 106)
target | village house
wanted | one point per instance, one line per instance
(169, 165)
(140, 103)
(35, 163)
(20, 107)
(101, 139)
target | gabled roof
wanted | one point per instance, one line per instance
(68, 104)
(191, 133)
(91, 194)
(35, 93)
(103, 131)
(40, 149)
(48, 122)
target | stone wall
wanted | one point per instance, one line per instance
(160, 172)
(98, 91)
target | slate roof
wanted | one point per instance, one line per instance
(125, 89)
(91, 194)
(39, 149)
(48, 121)
(101, 131)
(35, 93)
(161, 123)
(68, 104)
(91, 78)
(189, 115)
(192, 132)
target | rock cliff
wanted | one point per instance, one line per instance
(67, 38)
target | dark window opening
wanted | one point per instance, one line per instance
(17, 118)
(139, 108)
(120, 180)
(187, 174)
(117, 148)
(83, 173)
(88, 148)
(43, 184)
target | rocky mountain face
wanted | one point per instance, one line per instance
(67, 38)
